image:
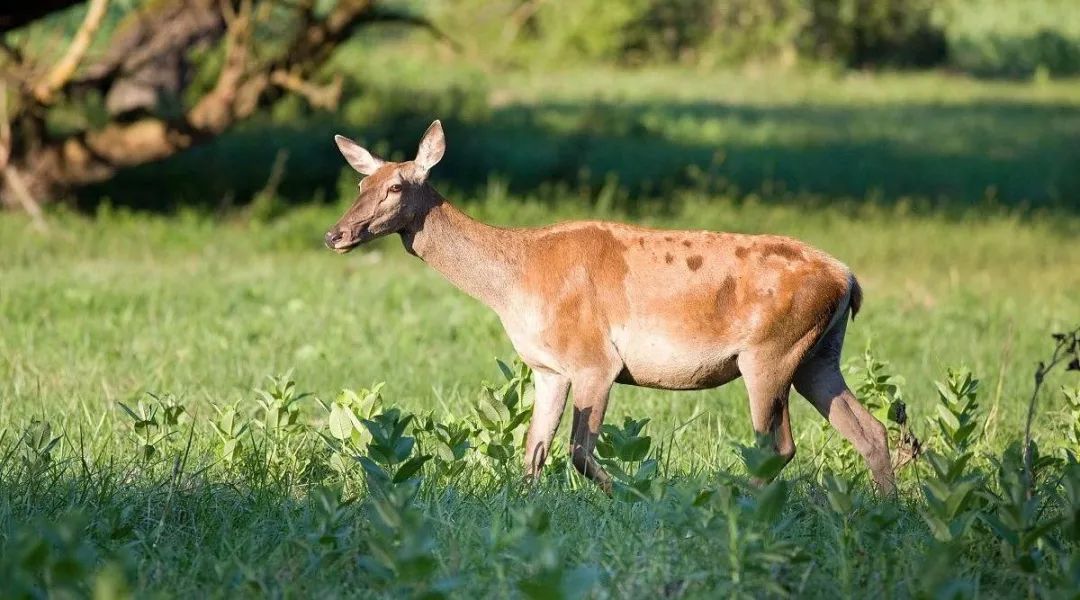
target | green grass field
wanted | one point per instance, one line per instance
(200, 311)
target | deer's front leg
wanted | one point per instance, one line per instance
(590, 404)
(551, 390)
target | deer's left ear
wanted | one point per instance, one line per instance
(432, 147)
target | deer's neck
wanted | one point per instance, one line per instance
(479, 259)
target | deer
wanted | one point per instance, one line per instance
(588, 304)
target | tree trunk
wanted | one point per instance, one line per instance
(44, 168)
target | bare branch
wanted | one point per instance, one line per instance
(11, 177)
(63, 70)
(5, 127)
(320, 96)
(148, 35)
(216, 110)
(14, 181)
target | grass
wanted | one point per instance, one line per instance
(198, 311)
(105, 311)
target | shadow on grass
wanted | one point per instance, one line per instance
(952, 157)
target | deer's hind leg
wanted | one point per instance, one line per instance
(819, 380)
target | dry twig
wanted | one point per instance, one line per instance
(65, 68)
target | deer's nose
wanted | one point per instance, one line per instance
(333, 237)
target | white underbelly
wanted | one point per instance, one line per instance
(655, 360)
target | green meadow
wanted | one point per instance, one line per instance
(136, 454)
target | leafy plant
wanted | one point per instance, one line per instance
(619, 449)
(53, 558)
(858, 525)
(400, 552)
(1071, 421)
(949, 490)
(333, 519)
(346, 434)
(449, 444)
(38, 444)
(1016, 515)
(530, 543)
(390, 462)
(148, 429)
(502, 411)
(881, 391)
(230, 427)
(279, 406)
(878, 388)
(754, 543)
(1065, 577)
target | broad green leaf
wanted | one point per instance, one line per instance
(410, 467)
(341, 425)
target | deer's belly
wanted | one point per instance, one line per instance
(657, 361)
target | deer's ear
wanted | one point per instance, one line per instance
(432, 147)
(358, 158)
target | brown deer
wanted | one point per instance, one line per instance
(588, 304)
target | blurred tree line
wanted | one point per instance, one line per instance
(985, 37)
(856, 33)
(93, 87)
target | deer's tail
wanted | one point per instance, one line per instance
(854, 296)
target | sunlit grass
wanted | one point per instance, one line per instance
(198, 309)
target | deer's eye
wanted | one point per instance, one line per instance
(395, 188)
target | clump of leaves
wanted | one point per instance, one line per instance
(230, 427)
(401, 550)
(878, 388)
(153, 423)
(530, 543)
(390, 461)
(449, 444)
(949, 490)
(37, 445)
(620, 449)
(751, 530)
(501, 412)
(346, 434)
(279, 406)
(333, 519)
(1019, 511)
(1016, 514)
(859, 524)
(1065, 578)
(53, 558)
(277, 416)
(1072, 417)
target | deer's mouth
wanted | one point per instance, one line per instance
(346, 248)
(348, 244)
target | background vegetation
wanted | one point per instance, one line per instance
(932, 146)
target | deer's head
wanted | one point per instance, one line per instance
(392, 195)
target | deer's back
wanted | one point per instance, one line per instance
(678, 306)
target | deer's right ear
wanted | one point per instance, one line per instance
(358, 158)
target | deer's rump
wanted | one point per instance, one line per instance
(687, 319)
